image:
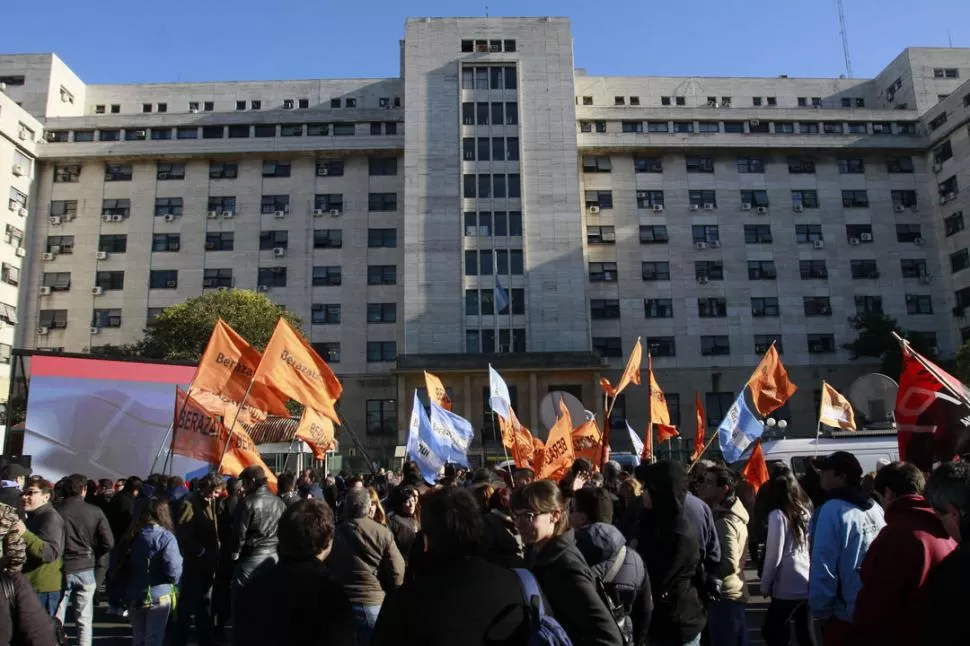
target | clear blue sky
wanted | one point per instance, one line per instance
(111, 41)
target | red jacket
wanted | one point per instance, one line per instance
(892, 604)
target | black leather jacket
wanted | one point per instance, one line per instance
(255, 521)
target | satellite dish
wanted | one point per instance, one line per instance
(549, 409)
(874, 397)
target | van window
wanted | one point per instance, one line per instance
(800, 464)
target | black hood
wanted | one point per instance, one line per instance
(667, 484)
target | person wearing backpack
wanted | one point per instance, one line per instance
(560, 568)
(23, 620)
(620, 570)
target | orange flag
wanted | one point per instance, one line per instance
(587, 441)
(701, 427)
(517, 439)
(647, 453)
(631, 374)
(229, 411)
(659, 413)
(538, 454)
(756, 470)
(769, 383)
(317, 431)
(242, 453)
(836, 411)
(291, 366)
(437, 394)
(198, 434)
(558, 455)
(226, 368)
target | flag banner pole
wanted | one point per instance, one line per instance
(161, 448)
(706, 446)
(356, 440)
(504, 448)
(235, 418)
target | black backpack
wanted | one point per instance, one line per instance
(10, 593)
(617, 610)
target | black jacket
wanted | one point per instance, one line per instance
(568, 583)
(949, 589)
(255, 521)
(488, 603)
(294, 602)
(87, 534)
(600, 545)
(501, 543)
(667, 542)
(196, 527)
(405, 530)
(29, 624)
(120, 512)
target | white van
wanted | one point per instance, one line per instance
(873, 449)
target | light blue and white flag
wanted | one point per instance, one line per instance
(738, 430)
(423, 447)
(454, 434)
(501, 296)
(635, 439)
(498, 394)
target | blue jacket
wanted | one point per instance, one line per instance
(155, 566)
(841, 530)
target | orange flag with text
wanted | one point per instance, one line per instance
(558, 455)
(437, 393)
(756, 470)
(659, 413)
(631, 374)
(769, 383)
(518, 440)
(587, 441)
(317, 431)
(197, 433)
(701, 427)
(242, 453)
(292, 367)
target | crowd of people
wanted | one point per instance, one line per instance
(603, 557)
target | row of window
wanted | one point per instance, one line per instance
(490, 148)
(483, 302)
(494, 113)
(485, 224)
(713, 270)
(242, 104)
(727, 101)
(486, 341)
(748, 164)
(710, 234)
(602, 309)
(501, 262)
(236, 131)
(490, 77)
(499, 185)
(748, 199)
(711, 345)
(175, 171)
(753, 126)
(487, 46)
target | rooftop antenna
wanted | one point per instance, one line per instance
(845, 39)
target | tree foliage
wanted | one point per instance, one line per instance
(875, 339)
(180, 332)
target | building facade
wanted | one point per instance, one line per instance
(495, 204)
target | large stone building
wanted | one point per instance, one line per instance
(710, 216)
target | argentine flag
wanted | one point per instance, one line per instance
(738, 430)
(423, 447)
(454, 434)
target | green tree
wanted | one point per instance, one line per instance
(180, 332)
(875, 339)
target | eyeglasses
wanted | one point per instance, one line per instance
(31, 492)
(527, 516)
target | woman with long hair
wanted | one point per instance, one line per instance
(787, 562)
(146, 567)
(376, 508)
(559, 567)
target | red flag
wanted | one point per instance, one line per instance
(701, 427)
(756, 470)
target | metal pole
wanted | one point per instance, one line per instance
(235, 418)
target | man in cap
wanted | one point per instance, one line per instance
(12, 479)
(842, 530)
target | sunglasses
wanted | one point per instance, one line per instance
(31, 492)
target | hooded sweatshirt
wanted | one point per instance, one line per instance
(842, 530)
(731, 521)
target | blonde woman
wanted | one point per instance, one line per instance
(376, 508)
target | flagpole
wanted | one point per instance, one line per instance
(173, 430)
(505, 449)
(818, 424)
(235, 418)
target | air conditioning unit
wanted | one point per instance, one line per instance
(594, 209)
(117, 218)
(319, 212)
(898, 208)
(279, 252)
(642, 195)
(700, 246)
(106, 217)
(323, 171)
(702, 280)
(762, 210)
(924, 279)
(97, 291)
(279, 215)
(746, 206)
(55, 249)
(171, 284)
(658, 208)
(819, 244)
(212, 215)
(715, 244)
(228, 215)
(45, 290)
(169, 217)
(918, 242)
(21, 252)
(865, 237)
(95, 329)
(54, 220)
(755, 123)
(102, 255)
(693, 207)
(18, 170)
(798, 208)
(47, 257)
(43, 331)
(708, 206)
(335, 213)
(854, 242)
(263, 288)
(22, 211)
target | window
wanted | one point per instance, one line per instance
(276, 169)
(69, 173)
(950, 73)
(378, 351)
(953, 223)
(821, 343)
(330, 352)
(632, 126)
(344, 129)
(949, 187)
(381, 275)
(762, 270)
(219, 241)
(938, 121)
(329, 168)
(658, 308)
(868, 305)
(708, 308)
(855, 199)
(382, 238)
(705, 233)
(329, 239)
(223, 170)
(216, 278)
(116, 207)
(765, 307)
(594, 164)
(665, 100)
(648, 165)
(382, 202)
(634, 100)
(919, 304)
(604, 308)
(328, 201)
(600, 235)
(168, 206)
(683, 127)
(617, 100)
(117, 173)
(109, 135)
(757, 234)
(218, 132)
(708, 126)
(851, 165)
(326, 276)
(801, 166)
(863, 269)
(224, 204)
(904, 198)
(833, 128)
(813, 270)
(755, 198)
(817, 306)
(382, 165)
(908, 233)
(58, 281)
(161, 134)
(734, 127)
(135, 135)
(653, 234)
(907, 127)
(655, 126)
(381, 414)
(106, 318)
(289, 130)
(702, 198)
(325, 314)
(764, 341)
(758, 127)
(860, 233)
(700, 164)
(64, 208)
(857, 128)
(654, 271)
(60, 244)
(269, 240)
(53, 319)
(772, 101)
(169, 171)
(113, 243)
(608, 346)
(709, 270)
(317, 129)
(83, 136)
(270, 204)
(807, 128)
(600, 199)
(804, 199)
(110, 280)
(912, 268)
(900, 165)
(959, 260)
(602, 272)
(751, 165)
(14, 235)
(650, 199)
(715, 345)
(187, 132)
(271, 277)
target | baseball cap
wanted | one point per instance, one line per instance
(841, 462)
(13, 470)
